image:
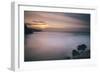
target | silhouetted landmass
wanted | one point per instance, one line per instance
(27, 30)
(30, 30)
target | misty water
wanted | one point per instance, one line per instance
(53, 45)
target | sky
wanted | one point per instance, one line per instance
(57, 21)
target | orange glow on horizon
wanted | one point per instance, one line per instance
(38, 26)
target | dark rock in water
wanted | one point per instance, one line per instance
(75, 53)
(82, 47)
(81, 52)
(85, 54)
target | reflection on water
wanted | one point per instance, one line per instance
(53, 45)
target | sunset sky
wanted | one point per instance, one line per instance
(57, 21)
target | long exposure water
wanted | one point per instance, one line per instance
(53, 45)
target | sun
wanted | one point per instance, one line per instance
(38, 25)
